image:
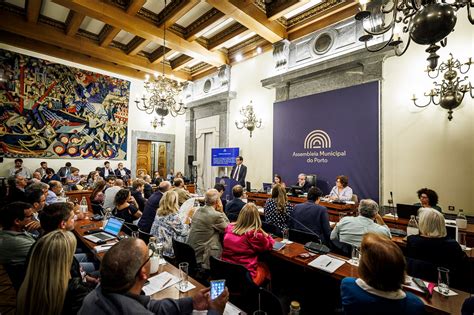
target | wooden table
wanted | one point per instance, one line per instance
(438, 304)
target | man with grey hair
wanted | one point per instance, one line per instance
(302, 183)
(206, 225)
(151, 205)
(124, 271)
(351, 230)
(109, 194)
(55, 189)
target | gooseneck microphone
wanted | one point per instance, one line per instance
(314, 247)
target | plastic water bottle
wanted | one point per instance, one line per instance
(84, 207)
(295, 308)
(461, 220)
(412, 228)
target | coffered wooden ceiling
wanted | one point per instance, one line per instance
(127, 36)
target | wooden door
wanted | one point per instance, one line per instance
(162, 156)
(144, 156)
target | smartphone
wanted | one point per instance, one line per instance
(278, 245)
(217, 287)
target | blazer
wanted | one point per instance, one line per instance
(119, 175)
(102, 172)
(233, 207)
(203, 237)
(183, 195)
(314, 217)
(139, 198)
(62, 172)
(149, 213)
(242, 174)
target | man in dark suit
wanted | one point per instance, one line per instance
(233, 207)
(122, 172)
(149, 213)
(106, 171)
(239, 171)
(302, 183)
(312, 216)
(64, 172)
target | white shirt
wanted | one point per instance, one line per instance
(350, 230)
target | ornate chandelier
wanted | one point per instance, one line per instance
(162, 91)
(426, 21)
(250, 121)
(449, 94)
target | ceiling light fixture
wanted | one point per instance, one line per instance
(259, 50)
(238, 57)
(250, 121)
(427, 22)
(162, 91)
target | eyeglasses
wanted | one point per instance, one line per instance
(150, 252)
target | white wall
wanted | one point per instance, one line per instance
(421, 148)
(138, 120)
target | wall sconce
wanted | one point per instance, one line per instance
(449, 94)
(250, 121)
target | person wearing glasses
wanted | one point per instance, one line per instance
(124, 270)
(341, 191)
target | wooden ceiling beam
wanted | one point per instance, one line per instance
(246, 13)
(218, 41)
(69, 55)
(136, 45)
(195, 31)
(132, 9)
(277, 9)
(203, 74)
(180, 62)
(116, 17)
(33, 8)
(180, 11)
(53, 36)
(74, 22)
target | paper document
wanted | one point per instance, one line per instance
(160, 282)
(326, 263)
(103, 248)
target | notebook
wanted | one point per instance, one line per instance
(110, 232)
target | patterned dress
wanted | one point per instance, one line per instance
(275, 217)
(169, 227)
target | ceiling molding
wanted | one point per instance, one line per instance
(135, 45)
(207, 19)
(179, 62)
(218, 40)
(278, 8)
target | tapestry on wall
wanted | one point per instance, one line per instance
(50, 110)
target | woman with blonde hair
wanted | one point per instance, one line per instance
(47, 288)
(168, 225)
(244, 240)
(277, 208)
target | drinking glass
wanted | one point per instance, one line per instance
(462, 240)
(355, 255)
(183, 275)
(285, 233)
(443, 280)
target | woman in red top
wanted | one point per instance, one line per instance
(244, 240)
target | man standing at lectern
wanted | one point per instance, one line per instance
(239, 171)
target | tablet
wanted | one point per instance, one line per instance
(278, 245)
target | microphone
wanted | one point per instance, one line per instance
(314, 247)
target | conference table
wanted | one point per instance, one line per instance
(438, 304)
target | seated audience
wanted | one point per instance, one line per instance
(42, 169)
(170, 176)
(208, 224)
(167, 225)
(48, 287)
(278, 181)
(277, 208)
(137, 192)
(379, 288)
(122, 172)
(124, 271)
(221, 189)
(233, 207)
(350, 230)
(64, 172)
(74, 180)
(36, 177)
(93, 178)
(50, 175)
(55, 190)
(312, 215)
(303, 185)
(19, 169)
(15, 241)
(183, 194)
(17, 192)
(157, 179)
(151, 206)
(244, 240)
(107, 170)
(434, 247)
(126, 207)
(428, 199)
(37, 199)
(97, 196)
(147, 189)
(341, 191)
(109, 193)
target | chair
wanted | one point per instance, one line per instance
(302, 237)
(144, 236)
(355, 198)
(185, 253)
(271, 229)
(16, 273)
(128, 228)
(268, 301)
(312, 179)
(97, 208)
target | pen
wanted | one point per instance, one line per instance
(328, 263)
(166, 282)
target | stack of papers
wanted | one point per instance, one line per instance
(326, 263)
(160, 282)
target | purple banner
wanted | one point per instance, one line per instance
(330, 134)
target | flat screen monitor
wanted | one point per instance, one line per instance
(452, 232)
(296, 191)
(406, 211)
(224, 156)
(248, 186)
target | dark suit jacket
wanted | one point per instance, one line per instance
(314, 217)
(62, 172)
(15, 194)
(119, 175)
(242, 174)
(233, 207)
(139, 198)
(148, 190)
(149, 213)
(102, 172)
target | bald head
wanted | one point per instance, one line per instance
(164, 186)
(118, 182)
(211, 197)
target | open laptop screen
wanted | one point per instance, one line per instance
(113, 226)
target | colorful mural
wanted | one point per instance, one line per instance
(51, 110)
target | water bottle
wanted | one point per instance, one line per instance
(84, 207)
(412, 228)
(461, 220)
(295, 308)
(155, 251)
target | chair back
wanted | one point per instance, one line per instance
(128, 228)
(355, 198)
(16, 273)
(237, 277)
(185, 253)
(144, 236)
(271, 229)
(324, 186)
(302, 237)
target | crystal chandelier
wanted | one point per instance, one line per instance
(449, 94)
(162, 91)
(426, 21)
(250, 121)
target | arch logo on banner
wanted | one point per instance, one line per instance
(317, 139)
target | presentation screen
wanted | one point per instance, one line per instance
(330, 134)
(224, 156)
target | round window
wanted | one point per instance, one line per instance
(323, 43)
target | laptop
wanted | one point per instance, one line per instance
(452, 232)
(267, 187)
(406, 211)
(110, 231)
